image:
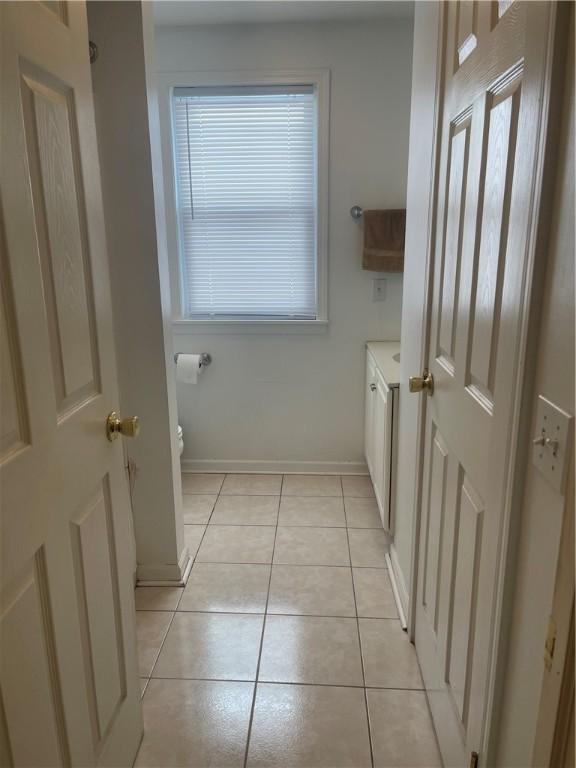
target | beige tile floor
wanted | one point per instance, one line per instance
(285, 647)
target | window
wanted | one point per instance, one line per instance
(247, 181)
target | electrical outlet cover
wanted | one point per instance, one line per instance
(379, 289)
(554, 426)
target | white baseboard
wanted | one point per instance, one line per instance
(275, 467)
(398, 585)
(165, 575)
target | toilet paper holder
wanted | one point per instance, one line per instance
(205, 359)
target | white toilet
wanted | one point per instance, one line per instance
(180, 440)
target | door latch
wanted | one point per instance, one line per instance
(420, 383)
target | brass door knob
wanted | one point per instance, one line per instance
(115, 426)
(419, 383)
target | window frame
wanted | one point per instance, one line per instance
(167, 82)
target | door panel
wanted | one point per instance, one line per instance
(466, 39)
(14, 422)
(468, 536)
(68, 673)
(494, 75)
(52, 151)
(433, 525)
(95, 566)
(488, 278)
(30, 690)
(451, 257)
(58, 7)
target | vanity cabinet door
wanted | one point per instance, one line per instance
(378, 437)
(369, 431)
(382, 426)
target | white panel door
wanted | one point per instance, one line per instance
(495, 76)
(68, 673)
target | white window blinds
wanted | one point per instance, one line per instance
(246, 173)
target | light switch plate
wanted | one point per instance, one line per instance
(551, 458)
(379, 289)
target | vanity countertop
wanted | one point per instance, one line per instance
(383, 353)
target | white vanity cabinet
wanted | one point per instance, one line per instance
(379, 427)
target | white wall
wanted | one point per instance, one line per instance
(296, 401)
(139, 277)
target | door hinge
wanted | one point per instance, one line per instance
(93, 51)
(473, 759)
(550, 644)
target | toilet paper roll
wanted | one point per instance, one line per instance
(188, 368)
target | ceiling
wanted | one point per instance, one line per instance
(183, 12)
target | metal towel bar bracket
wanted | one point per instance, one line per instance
(205, 359)
(356, 212)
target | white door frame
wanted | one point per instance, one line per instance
(531, 294)
(557, 693)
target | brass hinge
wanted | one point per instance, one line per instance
(550, 644)
(93, 51)
(473, 759)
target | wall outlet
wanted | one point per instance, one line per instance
(551, 444)
(379, 289)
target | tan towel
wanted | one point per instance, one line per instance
(384, 233)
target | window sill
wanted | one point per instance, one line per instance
(241, 327)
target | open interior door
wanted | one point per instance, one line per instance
(68, 673)
(496, 84)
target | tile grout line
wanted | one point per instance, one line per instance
(211, 515)
(270, 613)
(217, 494)
(253, 707)
(286, 495)
(176, 609)
(289, 565)
(157, 656)
(194, 558)
(201, 539)
(359, 642)
(287, 682)
(290, 525)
